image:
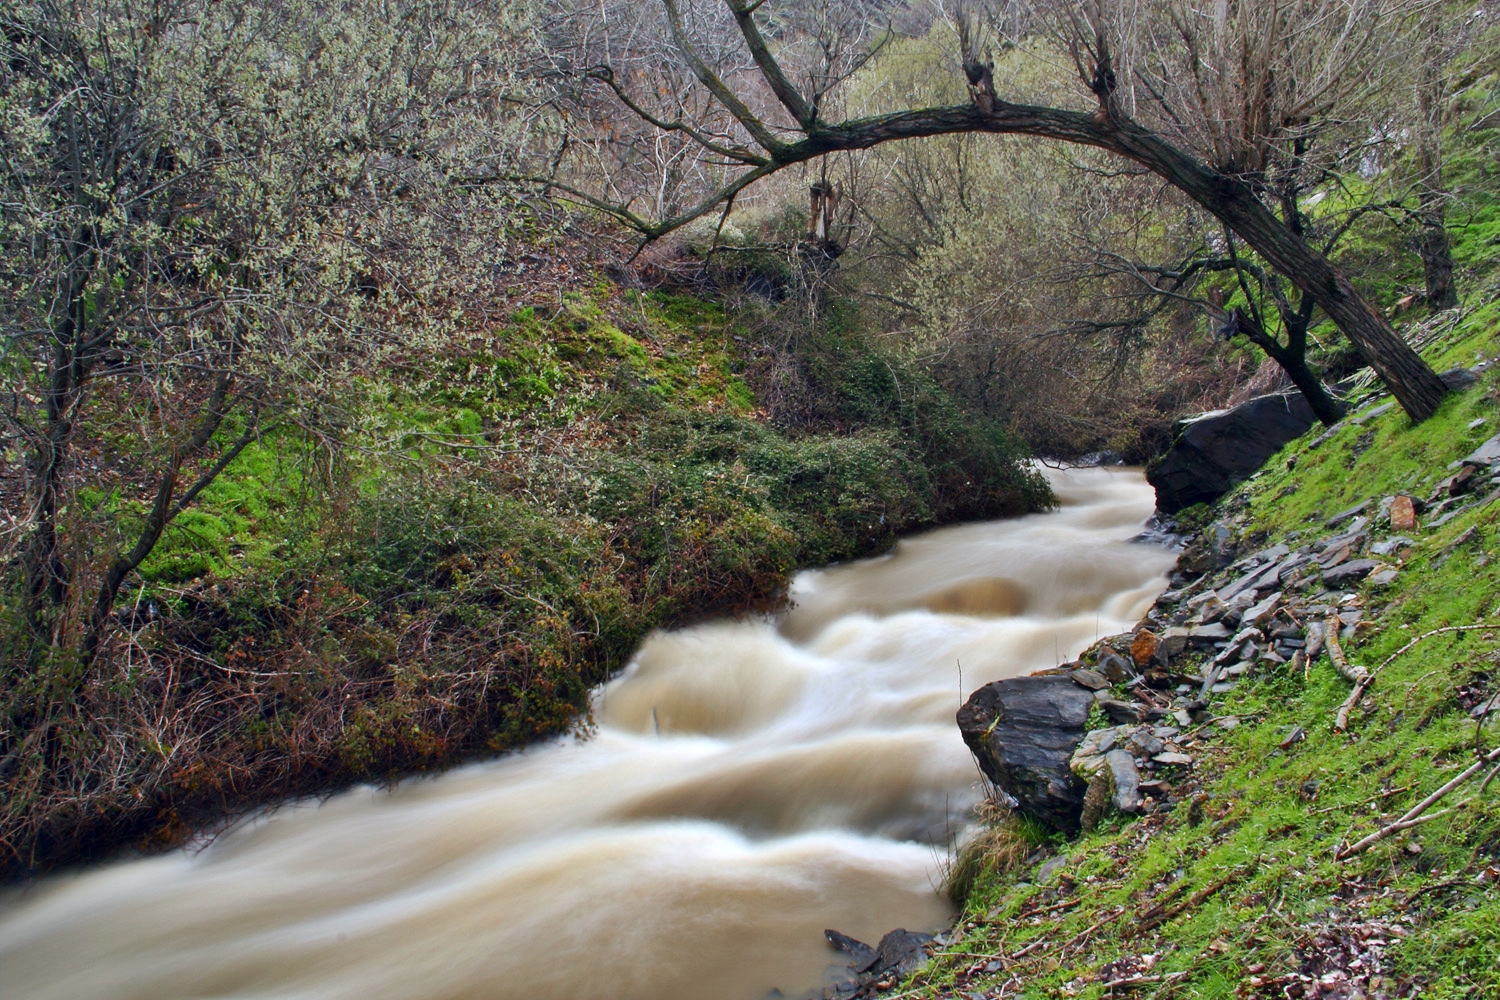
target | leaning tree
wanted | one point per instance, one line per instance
(1237, 104)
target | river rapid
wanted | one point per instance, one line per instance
(748, 784)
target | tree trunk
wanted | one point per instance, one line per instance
(1327, 409)
(1437, 259)
(1414, 384)
(1432, 242)
(1292, 357)
(46, 573)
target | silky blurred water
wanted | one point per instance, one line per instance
(749, 784)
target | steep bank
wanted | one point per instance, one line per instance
(1239, 879)
(487, 529)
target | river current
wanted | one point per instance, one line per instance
(747, 785)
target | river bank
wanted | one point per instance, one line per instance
(1302, 835)
(501, 518)
(748, 785)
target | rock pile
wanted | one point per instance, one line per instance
(872, 969)
(1226, 618)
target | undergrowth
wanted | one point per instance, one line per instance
(496, 524)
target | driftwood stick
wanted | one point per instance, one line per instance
(1412, 814)
(1363, 678)
(1355, 673)
(1358, 675)
(1345, 806)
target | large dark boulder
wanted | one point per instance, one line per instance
(1216, 451)
(1023, 732)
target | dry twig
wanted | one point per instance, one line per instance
(1363, 678)
(1414, 815)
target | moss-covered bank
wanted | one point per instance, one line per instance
(488, 529)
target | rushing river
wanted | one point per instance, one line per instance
(749, 784)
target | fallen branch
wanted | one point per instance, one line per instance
(1155, 916)
(1357, 675)
(1363, 678)
(1413, 816)
(1343, 806)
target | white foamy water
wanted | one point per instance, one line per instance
(749, 785)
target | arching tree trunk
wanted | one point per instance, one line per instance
(1415, 385)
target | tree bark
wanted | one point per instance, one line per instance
(1327, 409)
(1437, 257)
(1432, 241)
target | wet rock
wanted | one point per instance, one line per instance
(1391, 545)
(1334, 555)
(1254, 580)
(1260, 614)
(1349, 572)
(1173, 641)
(858, 950)
(1212, 549)
(1465, 480)
(1487, 454)
(899, 954)
(1143, 744)
(1204, 636)
(1092, 680)
(1215, 451)
(1458, 379)
(1291, 566)
(1123, 713)
(1157, 679)
(1486, 708)
(1088, 759)
(1369, 415)
(1115, 667)
(1211, 609)
(1125, 781)
(1023, 731)
(1345, 515)
(1173, 759)
(1051, 867)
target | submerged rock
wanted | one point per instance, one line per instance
(1023, 732)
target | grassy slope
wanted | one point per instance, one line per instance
(1231, 895)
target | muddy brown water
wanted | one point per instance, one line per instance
(748, 785)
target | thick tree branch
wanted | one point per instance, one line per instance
(742, 113)
(791, 99)
(1226, 196)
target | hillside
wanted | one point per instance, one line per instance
(491, 526)
(1234, 883)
